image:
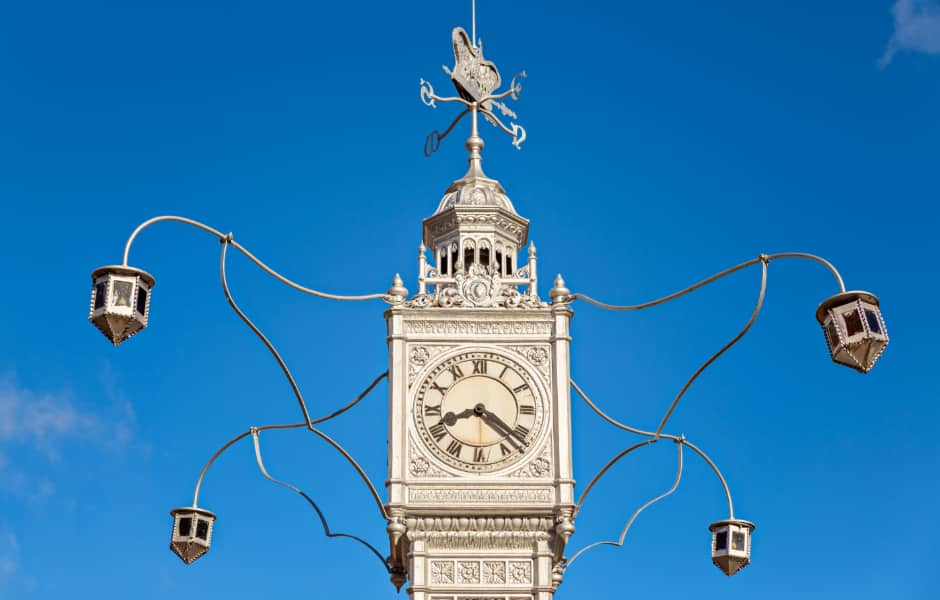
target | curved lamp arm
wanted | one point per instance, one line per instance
(603, 471)
(763, 258)
(222, 237)
(623, 534)
(329, 440)
(714, 357)
(650, 434)
(326, 527)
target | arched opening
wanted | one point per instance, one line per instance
(509, 261)
(469, 251)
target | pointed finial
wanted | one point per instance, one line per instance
(532, 250)
(398, 292)
(398, 578)
(559, 293)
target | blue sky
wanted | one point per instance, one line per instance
(666, 141)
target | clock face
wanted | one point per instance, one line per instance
(479, 411)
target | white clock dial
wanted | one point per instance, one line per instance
(478, 411)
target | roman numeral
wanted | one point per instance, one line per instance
(439, 389)
(521, 388)
(520, 432)
(479, 455)
(479, 366)
(432, 410)
(504, 450)
(454, 448)
(503, 372)
(455, 372)
(438, 431)
(525, 409)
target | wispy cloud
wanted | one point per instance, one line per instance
(41, 424)
(41, 420)
(916, 29)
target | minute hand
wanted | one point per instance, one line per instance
(497, 423)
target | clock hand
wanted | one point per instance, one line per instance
(450, 419)
(500, 426)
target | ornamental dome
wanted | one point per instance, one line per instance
(475, 189)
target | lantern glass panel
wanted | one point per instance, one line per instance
(186, 526)
(721, 540)
(202, 529)
(872, 319)
(122, 293)
(853, 323)
(737, 541)
(833, 334)
(99, 294)
(142, 300)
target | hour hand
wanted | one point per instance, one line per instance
(450, 418)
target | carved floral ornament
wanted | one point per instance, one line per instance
(479, 287)
(449, 572)
(537, 356)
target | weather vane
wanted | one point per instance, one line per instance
(476, 80)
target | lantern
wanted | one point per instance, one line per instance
(854, 329)
(731, 544)
(120, 301)
(192, 532)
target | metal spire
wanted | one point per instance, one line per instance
(473, 30)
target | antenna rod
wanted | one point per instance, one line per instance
(473, 30)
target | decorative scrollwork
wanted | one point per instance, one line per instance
(514, 86)
(505, 110)
(449, 297)
(518, 135)
(419, 301)
(427, 94)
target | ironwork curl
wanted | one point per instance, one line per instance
(332, 415)
(685, 442)
(623, 534)
(326, 527)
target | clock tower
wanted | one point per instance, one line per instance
(480, 487)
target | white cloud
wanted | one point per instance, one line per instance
(916, 28)
(42, 420)
(34, 423)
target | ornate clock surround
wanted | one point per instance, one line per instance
(498, 453)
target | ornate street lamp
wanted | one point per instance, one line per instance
(731, 544)
(192, 532)
(120, 301)
(854, 328)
